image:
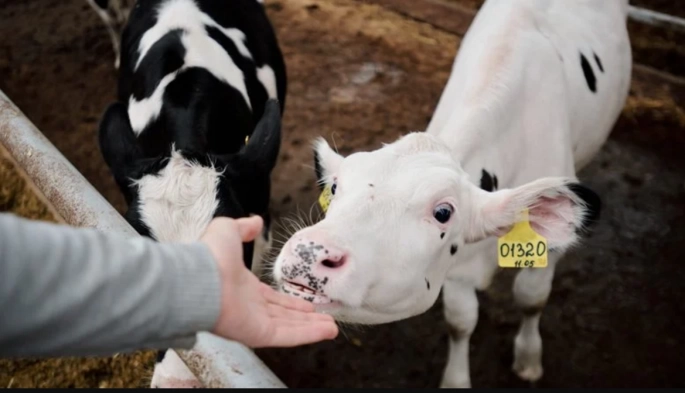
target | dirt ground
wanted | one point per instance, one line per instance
(362, 75)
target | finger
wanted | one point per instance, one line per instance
(286, 300)
(285, 322)
(291, 334)
(279, 312)
(249, 227)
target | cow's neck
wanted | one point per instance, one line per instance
(490, 116)
(489, 113)
(485, 128)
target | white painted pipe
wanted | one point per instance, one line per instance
(216, 362)
(655, 18)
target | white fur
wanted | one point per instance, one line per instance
(201, 51)
(142, 112)
(237, 36)
(178, 203)
(267, 77)
(517, 105)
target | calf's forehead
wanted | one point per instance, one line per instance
(387, 171)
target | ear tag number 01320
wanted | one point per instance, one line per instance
(325, 198)
(522, 247)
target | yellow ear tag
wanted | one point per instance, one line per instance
(325, 198)
(522, 247)
(247, 138)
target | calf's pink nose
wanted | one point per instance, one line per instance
(314, 250)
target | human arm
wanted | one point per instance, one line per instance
(73, 291)
(79, 292)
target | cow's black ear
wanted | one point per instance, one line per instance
(592, 204)
(265, 143)
(118, 144)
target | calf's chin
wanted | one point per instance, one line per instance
(369, 316)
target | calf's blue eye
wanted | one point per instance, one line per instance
(442, 213)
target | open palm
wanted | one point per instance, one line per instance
(252, 312)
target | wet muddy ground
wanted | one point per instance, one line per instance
(362, 75)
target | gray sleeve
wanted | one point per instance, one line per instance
(68, 291)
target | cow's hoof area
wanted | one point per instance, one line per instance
(527, 372)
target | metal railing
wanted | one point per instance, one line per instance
(216, 362)
(654, 18)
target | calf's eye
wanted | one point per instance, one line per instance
(333, 188)
(442, 213)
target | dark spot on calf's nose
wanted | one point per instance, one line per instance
(453, 249)
(428, 284)
(442, 235)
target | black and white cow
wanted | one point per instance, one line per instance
(535, 90)
(195, 131)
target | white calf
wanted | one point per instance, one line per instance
(534, 93)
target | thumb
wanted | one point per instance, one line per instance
(249, 228)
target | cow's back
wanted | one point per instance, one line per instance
(593, 42)
(213, 65)
(520, 87)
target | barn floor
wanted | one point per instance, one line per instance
(361, 75)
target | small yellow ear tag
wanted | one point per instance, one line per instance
(522, 247)
(325, 198)
(247, 138)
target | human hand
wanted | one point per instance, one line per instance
(252, 312)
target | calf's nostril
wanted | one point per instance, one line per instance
(332, 264)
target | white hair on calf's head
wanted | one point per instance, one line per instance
(178, 203)
(420, 142)
(328, 161)
(431, 146)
